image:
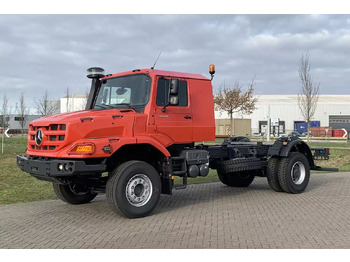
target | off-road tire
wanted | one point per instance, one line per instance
(66, 194)
(272, 174)
(294, 173)
(236, 179)
(223, 178)
(120, 195)
(241, 164)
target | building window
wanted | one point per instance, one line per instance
(19, 118)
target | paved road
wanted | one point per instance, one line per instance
(201, 216)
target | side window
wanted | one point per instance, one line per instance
(163, 85)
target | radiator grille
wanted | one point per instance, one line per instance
(54, 136)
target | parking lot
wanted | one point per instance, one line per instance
(201, 216)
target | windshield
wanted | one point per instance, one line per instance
(130, 91)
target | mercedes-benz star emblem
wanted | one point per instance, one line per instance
(39, 137)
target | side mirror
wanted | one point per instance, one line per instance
(174, 86)
(170, 93)
(174, 100)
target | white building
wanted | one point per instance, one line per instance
(73, 103)
(332, 110)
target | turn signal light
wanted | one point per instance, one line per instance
(82, 149)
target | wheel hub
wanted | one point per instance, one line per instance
(298, 173)
(139, 190)
(78, 190)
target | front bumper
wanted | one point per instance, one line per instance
(49, 169)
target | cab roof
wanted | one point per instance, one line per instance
(164, 73)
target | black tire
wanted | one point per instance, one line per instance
(236, 179)
(294, 173)
(133, 189)
(272, 174)
(72, 195)
(223, 178)
(241, 164)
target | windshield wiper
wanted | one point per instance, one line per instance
(124, 104)
(104, 106)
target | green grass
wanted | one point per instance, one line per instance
(17, 186)
(339, 158)
(331, 145)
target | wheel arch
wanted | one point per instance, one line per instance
(298, 146)
(143, 152)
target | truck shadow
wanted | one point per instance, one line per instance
(213, 194)
(209, 195)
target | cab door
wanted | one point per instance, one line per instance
(174, 120)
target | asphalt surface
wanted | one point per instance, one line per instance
(201, 216)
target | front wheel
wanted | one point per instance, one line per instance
(133, 189)
(74, 194)
(294, 173)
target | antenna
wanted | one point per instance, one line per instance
(156, 60)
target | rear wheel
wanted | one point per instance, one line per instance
(236, 179)
(74, 194)
(294, 173)
(133, 189)
(223, 178)
(272, 174)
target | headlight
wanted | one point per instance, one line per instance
(82, 149)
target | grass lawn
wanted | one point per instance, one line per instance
(17, 186)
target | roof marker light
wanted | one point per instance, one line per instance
(212, 71)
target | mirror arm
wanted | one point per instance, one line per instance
(167, 102)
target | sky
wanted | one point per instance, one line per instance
(52, 52)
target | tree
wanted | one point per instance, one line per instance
(232, 100)
(23, 112)
(45, 106)
(5, 112)
(309, 92)
(84, 100)
(68, 99)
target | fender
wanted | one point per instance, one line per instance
(154, 143)
(282, 147)
(116, 143)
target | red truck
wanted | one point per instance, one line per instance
(139, 131)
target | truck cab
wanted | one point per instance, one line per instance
(153, 107)
(142, 115)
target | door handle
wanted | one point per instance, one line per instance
(187, 117)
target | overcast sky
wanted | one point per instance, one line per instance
(52, 52)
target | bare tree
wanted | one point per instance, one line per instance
(232, 100)
(84, 100)
(22, 113)
(45, 106)
(309, 92)
(68, 100)
(5, 112)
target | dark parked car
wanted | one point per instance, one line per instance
(295, 134)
